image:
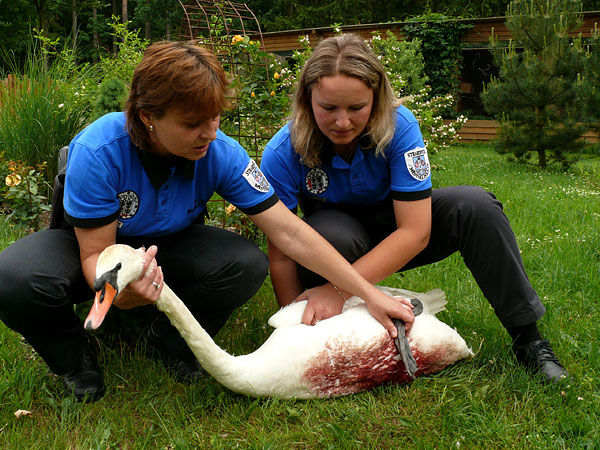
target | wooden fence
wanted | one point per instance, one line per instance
(286, 41)
(485, 130)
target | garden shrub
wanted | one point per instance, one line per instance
(111, 97)
(22, 201)
(441, 47)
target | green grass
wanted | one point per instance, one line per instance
(488, 402)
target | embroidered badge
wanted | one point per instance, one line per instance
(316, 181)
(255, 177)
(129, 203)
(417, 163)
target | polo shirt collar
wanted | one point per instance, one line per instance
(158, 172)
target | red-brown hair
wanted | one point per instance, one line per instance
(175, 75)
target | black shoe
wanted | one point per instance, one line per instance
(184, 371)
(85, 380)
(539, 356)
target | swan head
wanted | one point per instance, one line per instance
(117, 266)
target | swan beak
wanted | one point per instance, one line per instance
(102, 303)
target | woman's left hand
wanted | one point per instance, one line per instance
(323, 302)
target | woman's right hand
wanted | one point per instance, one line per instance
(384, 308)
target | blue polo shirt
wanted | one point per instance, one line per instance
(108, 178)
(402, 171)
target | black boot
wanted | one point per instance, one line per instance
(183, 369)
(85, 379)
(538, 356)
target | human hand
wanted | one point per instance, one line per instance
(384, 308)
(323, 303)
(147, 288)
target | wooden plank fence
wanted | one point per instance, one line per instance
(485, 130)
(287, 41)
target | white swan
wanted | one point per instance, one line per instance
(348, 353)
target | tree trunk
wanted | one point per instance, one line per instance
(542, 159)
(40, 7)
(125, 13)
(114, 38)
(74, 29)
(147, 27)
(95, 40)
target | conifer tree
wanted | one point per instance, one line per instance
(535, 96)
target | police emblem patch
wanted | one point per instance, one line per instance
(129, 203)
(316, 181)
(417, 163)
(255, 178)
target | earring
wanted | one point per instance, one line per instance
(151, 128)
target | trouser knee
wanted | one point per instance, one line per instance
(343, 232)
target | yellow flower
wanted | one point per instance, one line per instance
(252, 94)
(272, 93)
(13, 179)
(237, 38)
(231, 208)
(276, 76)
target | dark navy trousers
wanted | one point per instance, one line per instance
(465, 219)
(212, 270)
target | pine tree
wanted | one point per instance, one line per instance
(535, 95)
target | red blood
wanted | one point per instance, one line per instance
(342, 370)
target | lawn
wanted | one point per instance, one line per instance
(488, 402)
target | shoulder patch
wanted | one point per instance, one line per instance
(316, 181)
(255, 178)
(417, 163)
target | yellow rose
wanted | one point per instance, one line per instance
(276, 76)
(237, 38)
(13, 179)
(272, 93)
(231, 208)
(252, 94)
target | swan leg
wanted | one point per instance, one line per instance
(401, 341)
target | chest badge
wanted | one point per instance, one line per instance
(129, 204)
(316, 181)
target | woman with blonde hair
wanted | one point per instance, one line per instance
(143, 177)
(353, 159)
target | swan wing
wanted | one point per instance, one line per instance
(288, 315)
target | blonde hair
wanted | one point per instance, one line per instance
(349, 55)
(175, 75)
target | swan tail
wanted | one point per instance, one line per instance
(433, 301)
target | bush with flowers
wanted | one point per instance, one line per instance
(261, 85)
(405, 67)
(22, 200)
(265, 90)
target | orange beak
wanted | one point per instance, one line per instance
(102, 303)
